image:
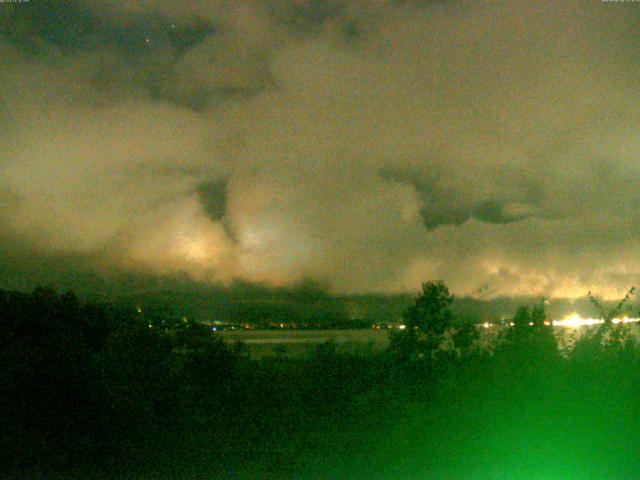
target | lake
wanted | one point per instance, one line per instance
(299, 342)
(261, 343)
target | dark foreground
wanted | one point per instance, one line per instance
(91, 391)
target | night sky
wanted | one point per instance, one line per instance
(365, 145)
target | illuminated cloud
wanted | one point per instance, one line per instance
(367, 145)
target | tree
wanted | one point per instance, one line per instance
(430, 314)
(609, 336)
(530, 340)
(621, 308)
(426, 322)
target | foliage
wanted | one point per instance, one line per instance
(431, 312)
(430, 329)
(621, 308)
(426, 322)
(94, 389)
(531, 340)
(609, 338)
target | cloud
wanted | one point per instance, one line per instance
(213, 197)
(366, 145)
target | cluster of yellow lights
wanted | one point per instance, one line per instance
(574, 320)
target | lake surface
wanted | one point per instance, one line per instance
(300, 342)
(262, 343)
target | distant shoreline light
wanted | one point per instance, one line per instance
(573, 320)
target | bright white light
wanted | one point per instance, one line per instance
(626, 319)
(575, 320)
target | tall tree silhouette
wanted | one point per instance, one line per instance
(426, 322)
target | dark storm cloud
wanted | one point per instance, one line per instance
(164, 59)
(213, 196)
(368, 145)
(439, 208)
(493, 211)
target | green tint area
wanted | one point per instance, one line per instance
(101, 392)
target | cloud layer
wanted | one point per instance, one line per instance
(366, 145)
